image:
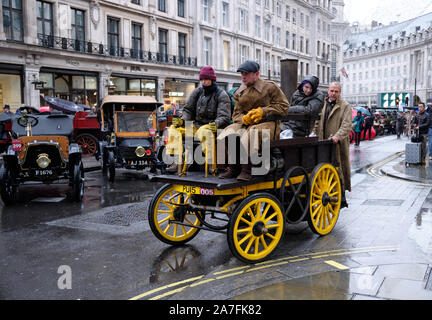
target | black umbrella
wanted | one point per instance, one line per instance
(62, 105)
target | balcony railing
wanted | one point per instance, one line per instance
(88, 47)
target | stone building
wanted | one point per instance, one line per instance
(395, 59)
(84, 50)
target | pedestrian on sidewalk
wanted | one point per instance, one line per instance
(422, 124)
(369, 123)
(358, 122)
(400, 124)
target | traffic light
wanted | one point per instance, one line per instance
(407, 101)
(397, 101)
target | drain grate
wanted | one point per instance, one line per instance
(383, 202)
(124, 217)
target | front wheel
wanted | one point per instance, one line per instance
(167, 208)
(78, 182)
(8, 186)
(110, 166)
(256, 227)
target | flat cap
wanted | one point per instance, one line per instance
(249, 66)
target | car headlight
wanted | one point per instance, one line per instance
(43, 161)
(140, 152)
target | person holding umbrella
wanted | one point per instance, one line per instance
(358, 127)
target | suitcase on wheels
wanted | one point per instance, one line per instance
(413, 153)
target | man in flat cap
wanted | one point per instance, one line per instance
(255, 101)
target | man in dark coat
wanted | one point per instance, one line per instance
(421, 124)
(306, 100)
(209, 107)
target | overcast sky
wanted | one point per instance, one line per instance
(385, 11)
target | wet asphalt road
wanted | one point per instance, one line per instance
(112, 254)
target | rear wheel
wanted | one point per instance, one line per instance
(256, 228)
(165, 209)
(325, 199)
(8, 186)
(88, 144)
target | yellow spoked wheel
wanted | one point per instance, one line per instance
(256, 227)
(166, 213)
(325, 199)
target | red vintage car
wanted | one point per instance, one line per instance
(86, 132)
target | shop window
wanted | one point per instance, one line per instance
(176, 93)
(13, 19)
(10, 90)
(136, 87)
(77, 88)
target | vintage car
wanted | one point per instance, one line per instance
(41, 152)
(128, 134)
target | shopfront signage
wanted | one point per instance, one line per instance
(176, 94)
(393, 99)
(39, 85)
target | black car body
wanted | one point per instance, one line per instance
(43, 151)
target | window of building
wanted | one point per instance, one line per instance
(13, 19)
(243, 20)
(267, 30)
(78, 29)
(227, 61)
(162, 5)
(44, 23)
(182, 47)
(205, 10)
(207, 51)
(258, 26)
(136, 51)
(163, 45)
(113, 36)
(244, 53)
(294, 40)
(225, 14)
(181, 8)
(136, 2)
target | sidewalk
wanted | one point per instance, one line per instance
(397, 168)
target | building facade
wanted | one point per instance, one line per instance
(390, 59)
(84, 50)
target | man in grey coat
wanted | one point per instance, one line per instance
(209, 107)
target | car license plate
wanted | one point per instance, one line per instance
(16, 145)
(196, 190)
(136, 163)
(43, 172)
